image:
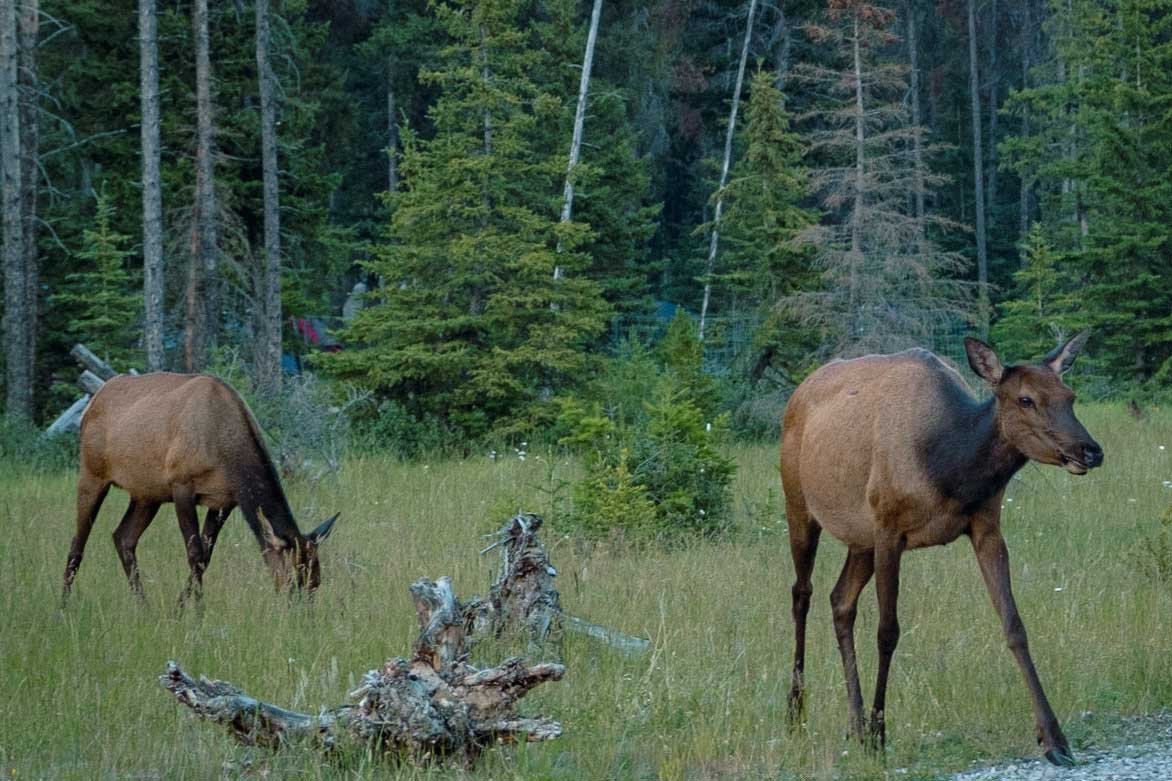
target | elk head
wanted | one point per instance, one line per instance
(297, 556)
(1035, 408)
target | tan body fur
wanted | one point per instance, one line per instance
(852, 480)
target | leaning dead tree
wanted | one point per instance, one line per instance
(433, 706)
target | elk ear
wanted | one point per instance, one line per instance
(321, 532)
(983, 360)
(266, 532)
(1061, 358)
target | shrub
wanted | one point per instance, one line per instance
(23, 445)
(655, 476)
(390, 428)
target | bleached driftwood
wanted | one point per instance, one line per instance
(524, 598)
(433, 706)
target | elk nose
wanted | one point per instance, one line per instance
(1093, 455)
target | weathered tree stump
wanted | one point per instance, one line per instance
(433, 706)
(523, 596)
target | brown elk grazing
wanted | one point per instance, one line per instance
(191, 440)
(890, 453)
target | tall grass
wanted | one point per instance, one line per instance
(79, 696)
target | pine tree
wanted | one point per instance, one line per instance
(103, 298)
(471, 326)
(1041, 308)
(762, 262)
(612, 181)
(1099, 149)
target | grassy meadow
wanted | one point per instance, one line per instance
(79, 697)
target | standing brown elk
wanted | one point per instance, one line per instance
(890, 453)
(191, 440)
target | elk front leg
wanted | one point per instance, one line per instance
(993, 558)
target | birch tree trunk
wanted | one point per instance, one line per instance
(978, 176)
(860, 185)
(268, 363)
(714, 237)
(152, 192)
(202, 303)
(392, 130)
(18, 359)
(579, 121)
(28, 89)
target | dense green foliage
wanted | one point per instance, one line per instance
(650, 437)
(99, 298)
(423, 152)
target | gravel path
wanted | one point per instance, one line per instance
(1149, 758)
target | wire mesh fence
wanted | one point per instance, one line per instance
(728, 340)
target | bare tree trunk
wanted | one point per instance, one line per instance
(917, 128)
(579, 121)
(781, 61)
(202, 299)
(1023, 217)
(28, 26)
(714, 238)
(392, 130)
(978, 175)
(18, 360)
(993, 79)
(268, 364)
(860, 184)
(152, 191)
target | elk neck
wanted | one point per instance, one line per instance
(966, 456)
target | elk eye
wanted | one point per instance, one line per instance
(1026, 402)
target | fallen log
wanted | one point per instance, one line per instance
(434, 706)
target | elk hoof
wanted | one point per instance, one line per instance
(1060, 755)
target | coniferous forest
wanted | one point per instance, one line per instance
(480, 216)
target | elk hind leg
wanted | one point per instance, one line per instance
(887, 559)
(844, 601)
(91, 492)
(804, 533)
(187, 514)
(213, 522)
(138, 517)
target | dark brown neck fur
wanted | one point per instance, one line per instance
(964, 454)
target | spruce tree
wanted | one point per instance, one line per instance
(1099, 149)
(762, 261)
(1041, 307)
(102, 298)
(470, 326)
